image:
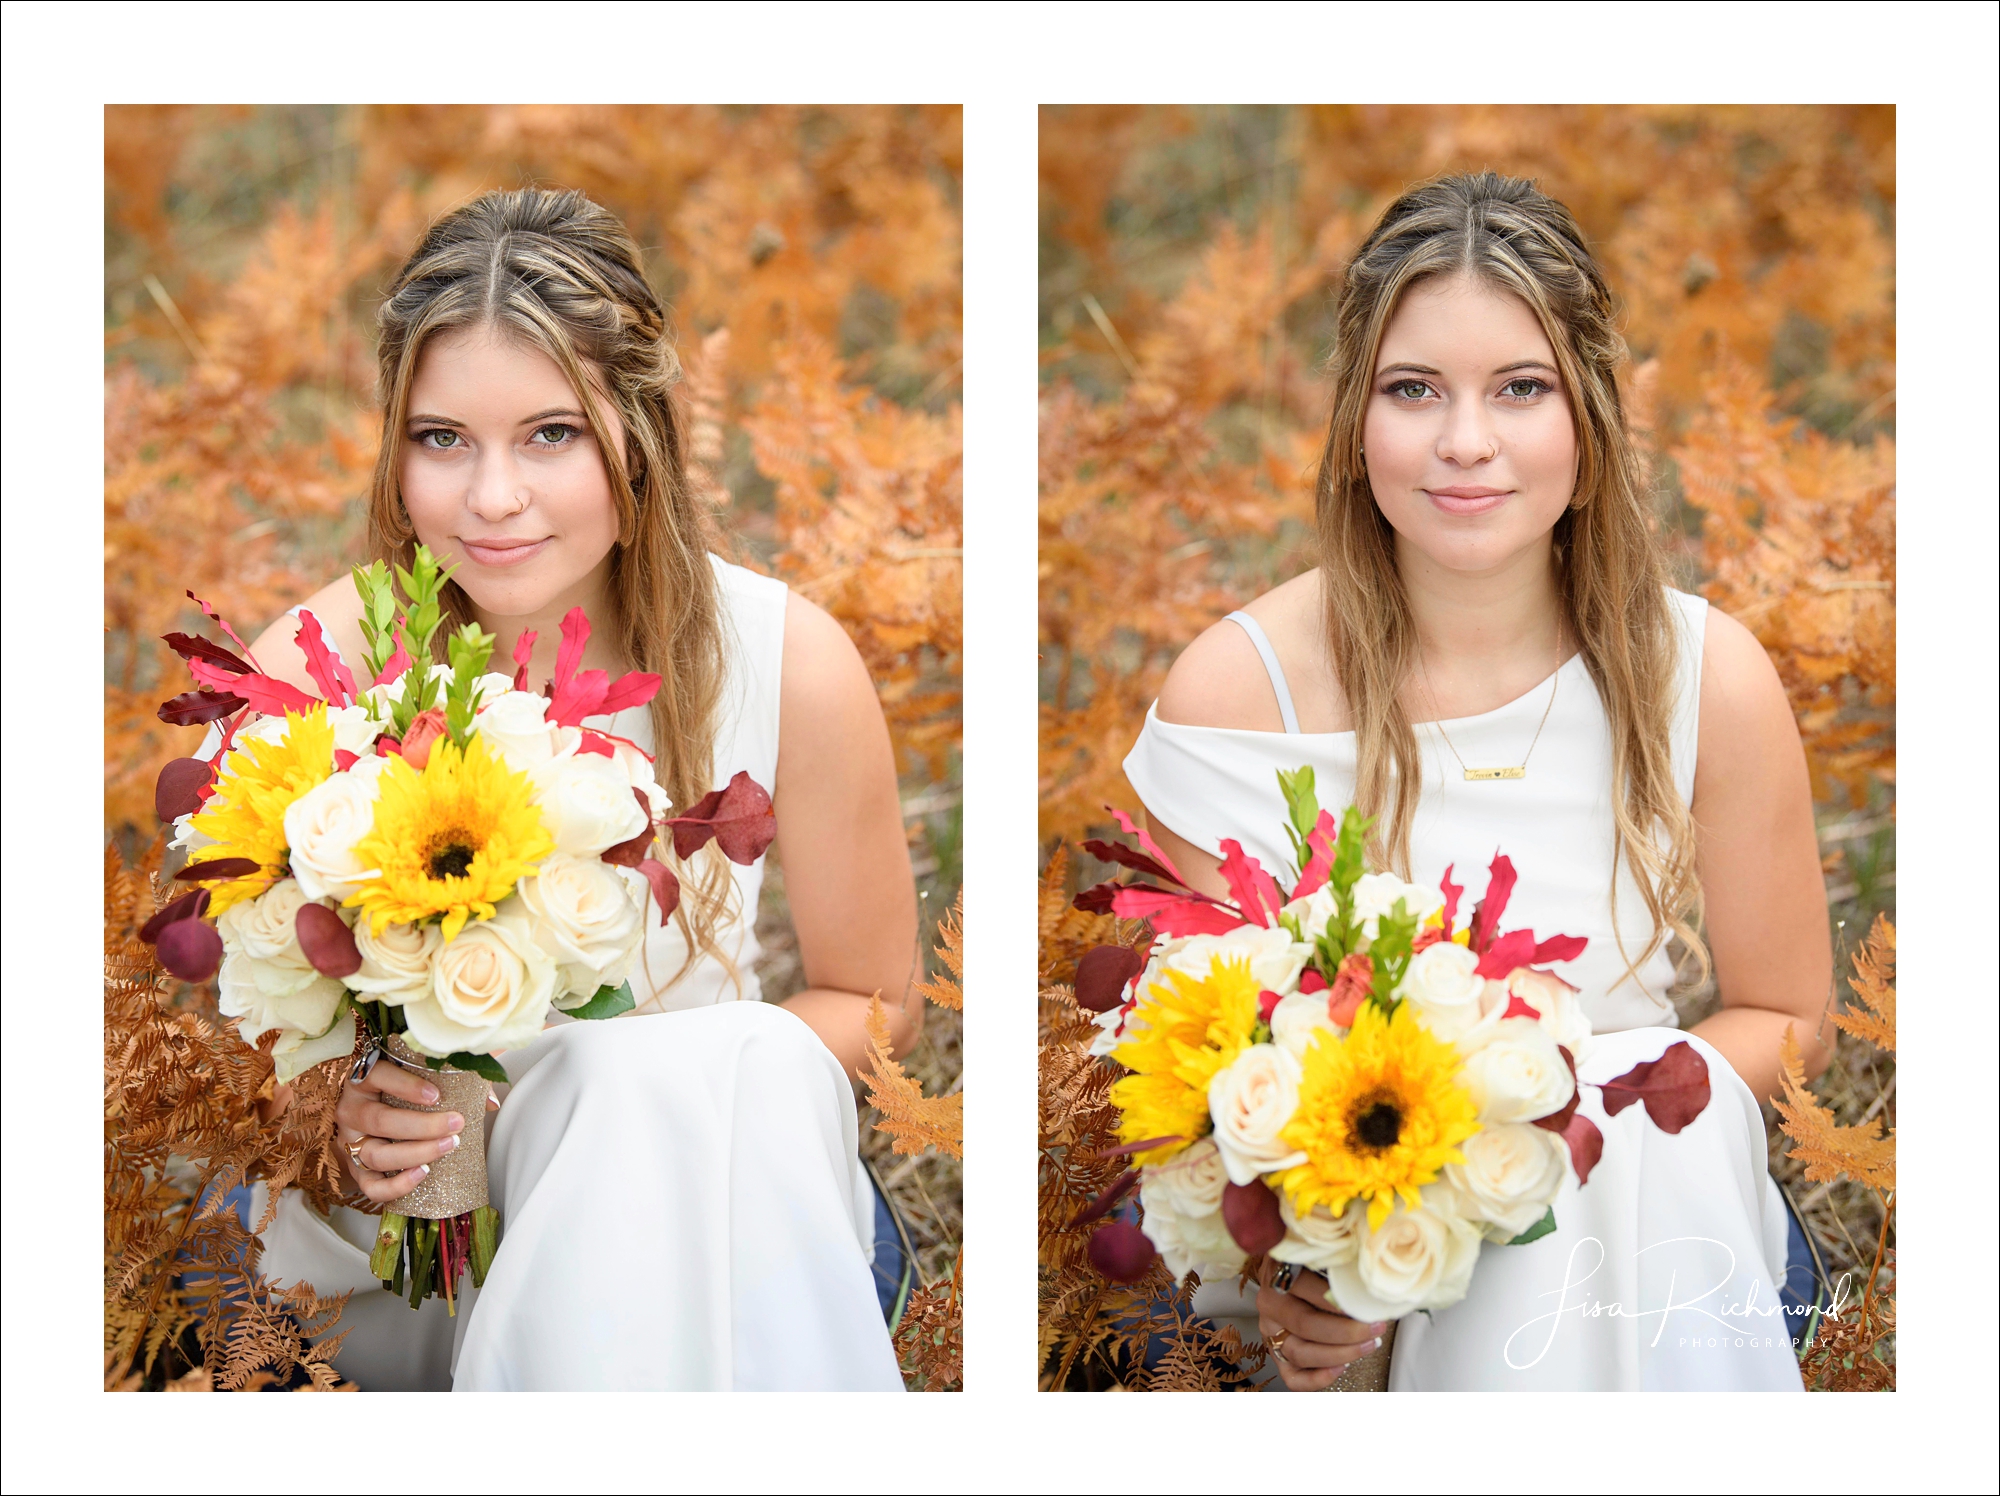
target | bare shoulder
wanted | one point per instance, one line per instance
(338, 608)
(1220, 679)
(1747, 728)
(825, 685)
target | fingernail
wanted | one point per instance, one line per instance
(1374, 1345)
(430, 1095)
(455, 1122)
(445, 1145)
(1377, 1328)
(423, 1168)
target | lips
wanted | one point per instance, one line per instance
(503, 552)
(1467, 499)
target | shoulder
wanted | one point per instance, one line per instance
(338, 608)
(824, 679)
(1747, 727)
(1220, 679)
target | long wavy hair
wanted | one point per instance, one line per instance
(1610, 569)
(560, 274)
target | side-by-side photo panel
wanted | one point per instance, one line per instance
(1468, 704)
(532, 750)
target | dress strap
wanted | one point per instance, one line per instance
(1262, 640)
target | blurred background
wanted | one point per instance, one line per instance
(810, 258)
(1190, 259)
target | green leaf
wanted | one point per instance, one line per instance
(478, 1064)
(485, 1242)
(1302, 806)
(608, 1003)
(1395, 935)
(1537, 1231)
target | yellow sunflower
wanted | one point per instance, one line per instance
(452, 839)
(1184, 1030)
(246, 814)
(1380, 1113)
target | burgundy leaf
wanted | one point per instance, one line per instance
(633, 852)
(194, 708)
(1515, 948)
(1586, 1146)
(1146, 843)
(1102, 975)
(1451, 892)
(666, 887)
(1125, 1150)
(1674, 1087)
(195, 647)
(327, 942)
(1124, 856)
(1558, 1122)
(217, 619)
(1486, 913)
(190, 949)
(1102, 1205)
(323, 661)
(218, 870)
(1250, 1211)
(524, 651)
(1560, 948)
(1097, 899)
(634, 689)
(738, 817)
(1121, 1252)
(1256, 891)
(1319, 867)
(177, 792)
(187, 906)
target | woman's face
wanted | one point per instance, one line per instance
(1469, 440)
(504, 476)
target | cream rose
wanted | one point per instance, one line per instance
(1250, 1100)
(1110, 1029)
(1297, 1018)
(266, 982)
(1444, 988)
(1318, 1240)
(355, 728)
(490, 988)
(584, 915)
(1182, 1199)
(640, 772)
(1375, 894)
(1312, 912)
(587, 803)
(1421, 1257)
(514, 725)
(1510, 1176)
(395, 965)
(1517, 1075)
(1275, 958)
(1559, 1004)
(321, 828)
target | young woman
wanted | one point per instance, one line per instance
(1492, 594)
(681, 1199)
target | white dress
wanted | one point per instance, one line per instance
(1663, 1272)
(682, 1204)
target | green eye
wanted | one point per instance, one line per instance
(438, 439)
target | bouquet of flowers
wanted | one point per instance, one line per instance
(1343, 1076)
(446, 856)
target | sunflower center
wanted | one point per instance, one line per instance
(1378, 1125)
(449, 855)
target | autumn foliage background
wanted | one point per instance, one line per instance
(811, 260)
(1190, 259)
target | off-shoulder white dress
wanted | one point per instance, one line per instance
(682, 1203)
(1663, 1272)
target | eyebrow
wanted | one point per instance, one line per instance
(1526, 363)
(419, 419)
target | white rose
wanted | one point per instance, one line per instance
(395, 965)
(587, 802)
(1444, 989)
(1297, 1018)
(1420, 1258)
(1275, 958)
(355, 728)
(585, 917)
(640, 771)
(1312, 912)
(1375, 894)
(1251, 1100)
(264, 730)
(298, 1053)
(1510, 1176)
(1517, 1075)
(1558, 1003)
(267, 983)
(1318, 1240)
(1182, 1199)
(321, 828)
(514, 726)
(1110, 1028)
(490, 989)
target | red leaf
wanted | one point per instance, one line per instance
(1124, 856)
(634, 689)
(1559, 1121)
(1103, 974)
(194, 708)
(1674, 1087)
(195, 647)
(1255, 890)
(1518, 1009)
(1267, 1000)
(1319, 867)
(524, 651)
(1560, 948)
(633, 852)
(343, 760)
(1486, 913)
(216, 618)
(666, 887)
(177, 792)
(1101, 1206)
(187, 906)
(582, 695)
(1586, 1146)
(1250, 1211)
(271, 697)
(1515, 948)
(424, 731)
(1121, 1252)
(1451, 892)
(569, 654)
(1312, 980)
(1152, 848)
(397, 663)
(190, 949)
(327, 942)
(598, 743)
(323, 662)
(1175, 914)
(738, 816)
(218, 870)
(1143, 1145)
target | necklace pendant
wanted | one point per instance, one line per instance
(1519, 771)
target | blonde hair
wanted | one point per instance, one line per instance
(1611, 573)
(559, 273)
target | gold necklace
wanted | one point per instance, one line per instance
(1515, 771)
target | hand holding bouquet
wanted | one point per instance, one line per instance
(1342, 1076)
(446, 855)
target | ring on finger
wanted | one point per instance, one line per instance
(1282, 1280)
(354, 1150)
(1276, 1343)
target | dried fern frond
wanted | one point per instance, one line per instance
(1874, 982)
(1827, 1149)
(930, 1339)
(948, 991)
(913, 1120)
